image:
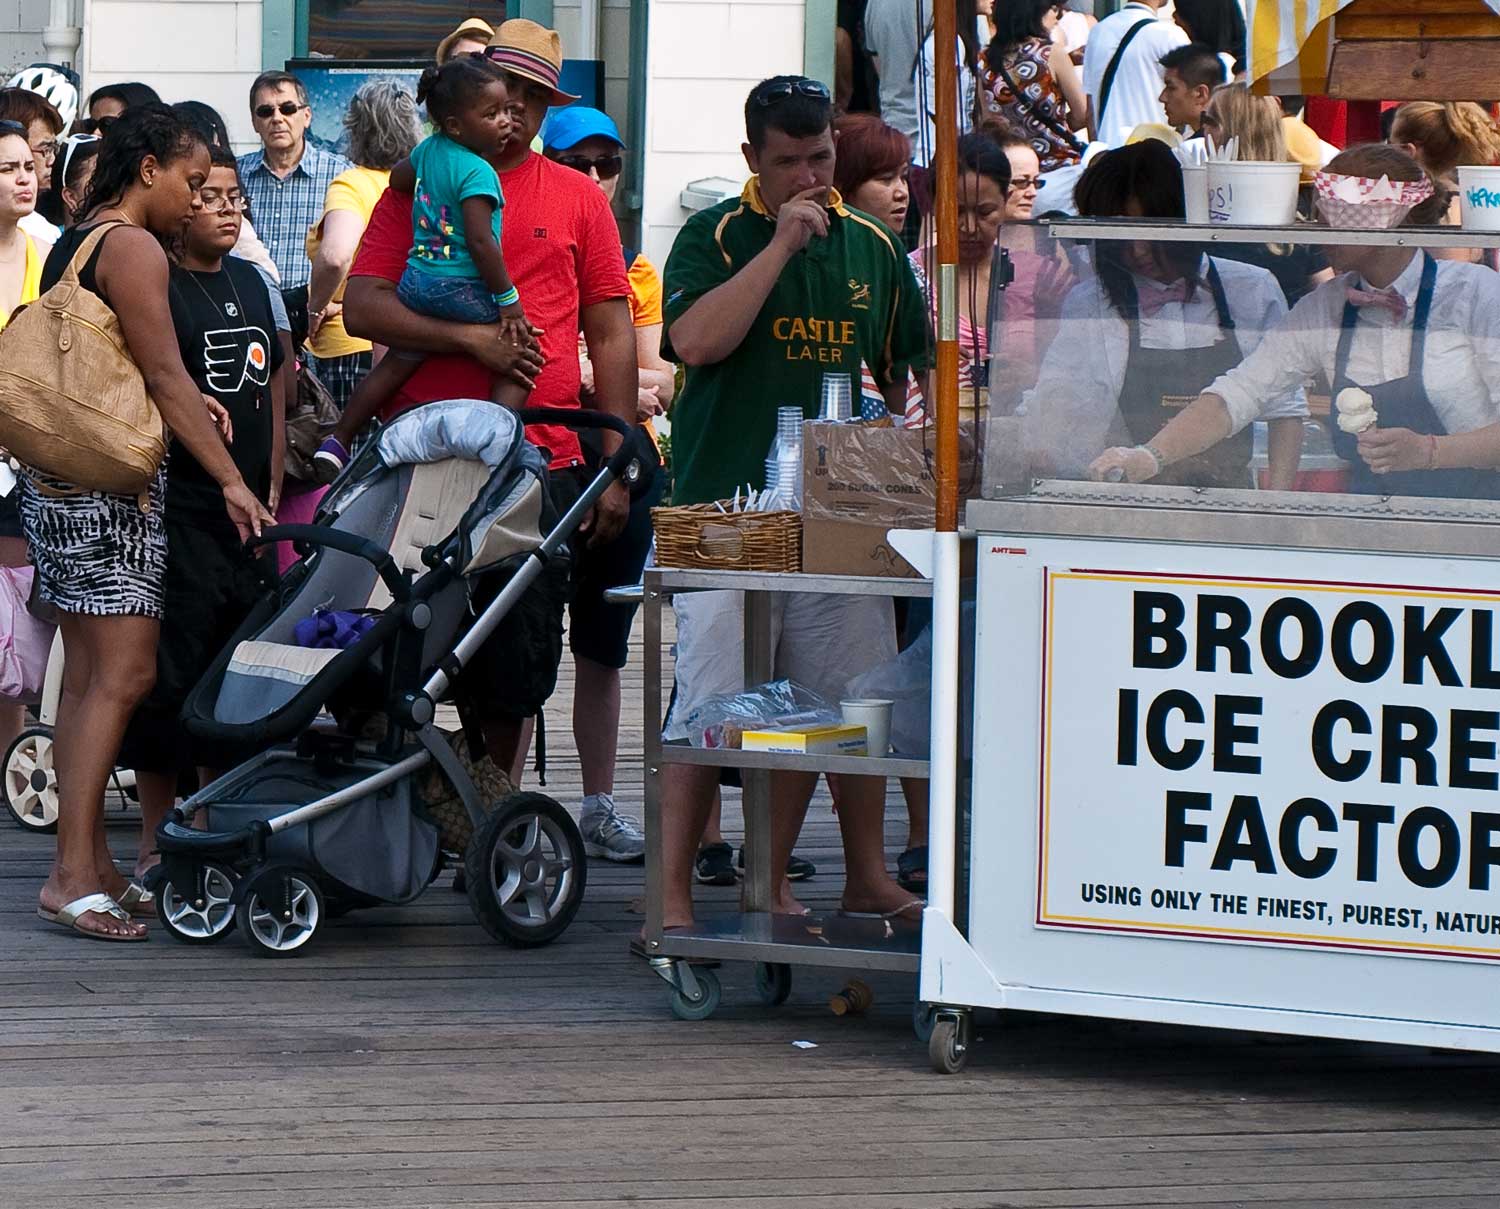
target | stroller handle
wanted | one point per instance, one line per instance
(624, 464)
(346, 543)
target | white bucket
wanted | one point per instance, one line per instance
(1195, 192)
(1479, 198)
(1253, 193)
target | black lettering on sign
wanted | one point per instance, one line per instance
(1482, 670)
(1129, 722)
(1158, 640)
(1228, 734)
(1244, 820)
(1484, 852)
(1323, 818)
(1223, 622)
(1174, 700)
(1358, 722)
(1273, 629)
(1179, 832)
(1396, 744)
(1408, 847)
(1382, 642)
(1370, 816)
(1423, 643)
(1464, 749)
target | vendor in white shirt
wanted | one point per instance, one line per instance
(1141, 338)
(1420, 337)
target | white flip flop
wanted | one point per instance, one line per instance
(99, 904)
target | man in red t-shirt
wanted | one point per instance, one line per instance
(563, 251)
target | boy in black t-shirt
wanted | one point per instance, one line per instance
(222, 314)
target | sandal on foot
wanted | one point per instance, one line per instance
(137, 902)
(911, 869)
(911, 912)
(99, 904)
(714, 865)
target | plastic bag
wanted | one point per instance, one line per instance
(906, 680)
(719, 721)
(25, 642)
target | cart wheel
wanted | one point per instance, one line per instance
(707, 1002)
(29, 782)
(948, 1049)
(526, 870)
(206, 918)
(773, 982)
(923, 1016)
(276, 933)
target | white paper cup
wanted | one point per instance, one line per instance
(1254, 193)
(874, 714)
(1479, 198)
(1195, 192)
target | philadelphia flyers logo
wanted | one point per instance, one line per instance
(236, 356)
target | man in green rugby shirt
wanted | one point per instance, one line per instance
(764, 295)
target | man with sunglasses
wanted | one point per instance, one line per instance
(767, 293)
(286, 182)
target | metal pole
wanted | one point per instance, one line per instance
(944, 165)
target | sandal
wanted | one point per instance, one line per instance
(98, 904)
(911, 869)
(137, 902)
(911, 912)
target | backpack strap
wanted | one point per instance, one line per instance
(1108, 82)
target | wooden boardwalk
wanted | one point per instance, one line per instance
(409, 1062)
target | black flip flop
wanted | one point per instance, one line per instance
(911, 869)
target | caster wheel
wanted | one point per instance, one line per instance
(29, 783)
(923, 1017)
(707, 1002)
(270, 928)
(773, 982)
(948, 1049)
(525, 871)
(205, 918)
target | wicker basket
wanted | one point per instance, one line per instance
(701, 537)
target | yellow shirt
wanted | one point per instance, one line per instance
(358, 190)
(31, 278)
(645, 293)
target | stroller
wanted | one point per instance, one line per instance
(328, 817)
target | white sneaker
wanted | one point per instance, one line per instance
(608, 833)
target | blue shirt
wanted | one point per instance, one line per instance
(448, 173)
(284, 209)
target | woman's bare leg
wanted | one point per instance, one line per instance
(158, 794)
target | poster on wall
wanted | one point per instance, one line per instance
(1269, 761)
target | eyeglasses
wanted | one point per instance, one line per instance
(97, 125)
(1019, 184)
(773, 94)
(46, 149)
(286, 109)
(221, 199)
(607, 166)
(70, 146)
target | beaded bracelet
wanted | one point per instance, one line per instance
(509, 298)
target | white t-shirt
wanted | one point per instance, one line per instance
(42, 231)
(924, 146)
(893, 32)
(1134, 97)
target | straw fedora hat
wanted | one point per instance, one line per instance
(480, 31)
(532, 52)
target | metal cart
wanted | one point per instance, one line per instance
(775, 943)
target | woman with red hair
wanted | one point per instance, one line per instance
(871, 168)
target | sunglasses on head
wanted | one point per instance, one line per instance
(771, 94)
(96, 125)
(9, 127)
(286, 109)
(70, 145)
(607, 166)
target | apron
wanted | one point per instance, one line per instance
(1402, 403)
(1160, 382)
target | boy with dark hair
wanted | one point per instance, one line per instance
(766, 293)
(1189, 74)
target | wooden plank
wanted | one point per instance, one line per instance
(1405, 71)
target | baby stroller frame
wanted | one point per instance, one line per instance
(525, 864)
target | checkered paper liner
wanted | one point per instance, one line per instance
(1364, 203)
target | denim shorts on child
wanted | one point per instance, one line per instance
(461, 299)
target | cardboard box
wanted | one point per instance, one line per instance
(858, 482)
(808, 741)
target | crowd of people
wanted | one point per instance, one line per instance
(461, 244)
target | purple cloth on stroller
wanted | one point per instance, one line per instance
(332, 630)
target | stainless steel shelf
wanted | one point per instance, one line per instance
(1171, 231)
(829, 941)
(727, 757)
(673, 580)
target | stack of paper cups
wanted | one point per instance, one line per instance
(874, 714)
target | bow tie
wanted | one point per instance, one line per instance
(1386, 299)
(1153, 297)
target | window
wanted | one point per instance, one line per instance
(389, 29)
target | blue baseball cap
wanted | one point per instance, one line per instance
(568, 127)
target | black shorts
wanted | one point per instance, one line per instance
(515, 672)
(211, 585)
(600, 631)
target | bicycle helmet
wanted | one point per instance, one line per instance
(53, 83)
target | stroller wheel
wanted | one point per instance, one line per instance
(279, 911)
(526, 870)
(205, 918)
(29, 782)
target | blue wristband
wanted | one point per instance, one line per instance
(509, 298)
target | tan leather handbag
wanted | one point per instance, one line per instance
(73, 404)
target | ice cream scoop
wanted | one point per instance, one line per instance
(1356, 410)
